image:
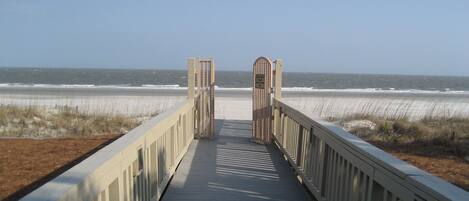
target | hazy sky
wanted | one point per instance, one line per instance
(391, 36)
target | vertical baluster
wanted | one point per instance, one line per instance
(299, 146)
(347, 180)
(324, 168)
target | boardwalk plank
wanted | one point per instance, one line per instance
(230, 167)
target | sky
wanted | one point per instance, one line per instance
(429, 37)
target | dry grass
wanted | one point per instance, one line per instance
(33, 121)
(450, 133)
(438, 146)
(398, 105)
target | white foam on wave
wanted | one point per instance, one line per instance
(178, 87)
(12, 85)
(125, 86)
(169, 86)
(375, 90)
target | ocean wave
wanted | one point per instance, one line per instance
(378, 90)
(218, 88)
(123, 86)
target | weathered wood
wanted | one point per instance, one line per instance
(205, 98)
(277, 124)
(212, 99)
(278, 79)
(261, 104)
(191, 78)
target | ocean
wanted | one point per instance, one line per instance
(144, 92)
(62, 77)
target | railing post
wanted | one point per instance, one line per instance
(190, 78)
(191, 68)
(212, 98)
(277, 96)
(278, 79)
(201, 107)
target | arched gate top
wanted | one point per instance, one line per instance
(262, 58)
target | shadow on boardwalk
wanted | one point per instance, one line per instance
(230, 167)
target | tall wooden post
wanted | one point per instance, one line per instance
(278, 79)
(212, 98)
(277, 95)
(190, 78)
(191, 91)
(202, 99)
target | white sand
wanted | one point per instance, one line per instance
(225, 108)
(233, 108)
(238, 104)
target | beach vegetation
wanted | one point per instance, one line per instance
(452, 133)
(437, 145)
(60, 121)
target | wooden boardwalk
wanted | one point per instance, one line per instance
(230, 167)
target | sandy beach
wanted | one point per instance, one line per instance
(236, 103)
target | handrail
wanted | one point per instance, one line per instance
(137, 166)
(336, 165)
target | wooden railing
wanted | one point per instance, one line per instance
(136, 166)
(139, 165)
(336, 165)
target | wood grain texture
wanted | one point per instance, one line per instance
(261, 98)
(205, 98)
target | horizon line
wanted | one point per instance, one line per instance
(224, 70)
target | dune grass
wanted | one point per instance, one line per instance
(62, 121)
(452, 133)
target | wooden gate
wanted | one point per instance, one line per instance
(261, 100)
(203, 72)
